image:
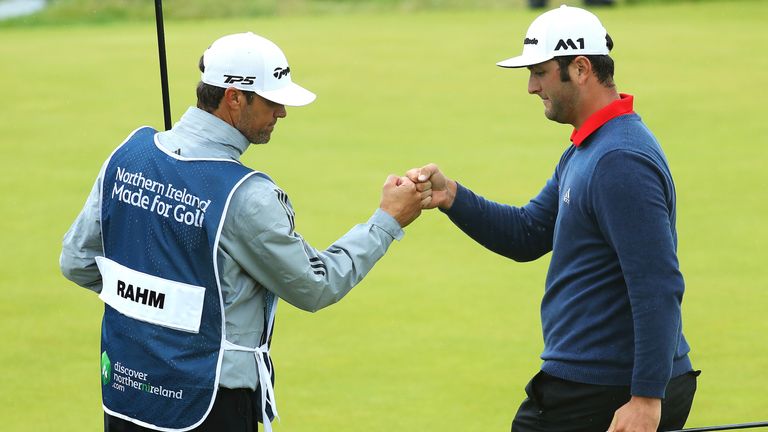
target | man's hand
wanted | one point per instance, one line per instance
(402, 200)
(640, 414)
(443, 188)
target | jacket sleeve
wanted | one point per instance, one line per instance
(82, 243)
(520, 233)
(259, 235)
(634, 203)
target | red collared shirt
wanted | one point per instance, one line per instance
(621, 106)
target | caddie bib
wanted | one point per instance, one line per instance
(162, 337)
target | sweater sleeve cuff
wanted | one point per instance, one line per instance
(651, 389)
(460, 201)
(387, 223)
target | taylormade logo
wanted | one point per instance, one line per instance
(280, 72)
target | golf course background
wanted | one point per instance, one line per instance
(443, 334)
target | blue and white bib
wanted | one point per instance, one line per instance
(163, 328)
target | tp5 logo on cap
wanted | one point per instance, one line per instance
(231, 79)
(249, 62)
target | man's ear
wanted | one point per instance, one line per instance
(232, 98)
(581, 69)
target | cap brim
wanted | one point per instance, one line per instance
(290, 95)
(523, 61)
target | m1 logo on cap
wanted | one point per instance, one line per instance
(568, 43)
(280, 72)
(233, 79)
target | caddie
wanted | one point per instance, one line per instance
(190, 251)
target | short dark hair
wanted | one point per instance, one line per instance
(209, 97)
(601, 64)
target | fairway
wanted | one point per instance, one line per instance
(443, 334)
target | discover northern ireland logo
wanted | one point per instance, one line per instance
(106, 369)
(123, 378)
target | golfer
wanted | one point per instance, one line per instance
(190, 251)
(615, 357)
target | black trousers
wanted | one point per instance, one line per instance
(235, 410)
(557, 405)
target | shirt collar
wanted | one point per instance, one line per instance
(209, 133)
(619, 107)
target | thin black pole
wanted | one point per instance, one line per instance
(726, 427)
(163, 64)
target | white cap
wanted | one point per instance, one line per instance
(252, 63)
(564, 31)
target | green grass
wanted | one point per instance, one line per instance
(442, 335)
(63, 12)
(66, 12)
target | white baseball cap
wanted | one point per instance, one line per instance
(250, 62)
(564, 31)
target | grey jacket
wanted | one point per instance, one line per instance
(258, 251)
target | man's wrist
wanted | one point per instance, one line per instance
(647, 399)
(450, 194)
(382, 219)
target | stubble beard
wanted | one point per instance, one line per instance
(553, 112)
(261, 137)
(560, 111)
(255, 137)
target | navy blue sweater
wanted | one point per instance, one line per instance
(611, 308)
